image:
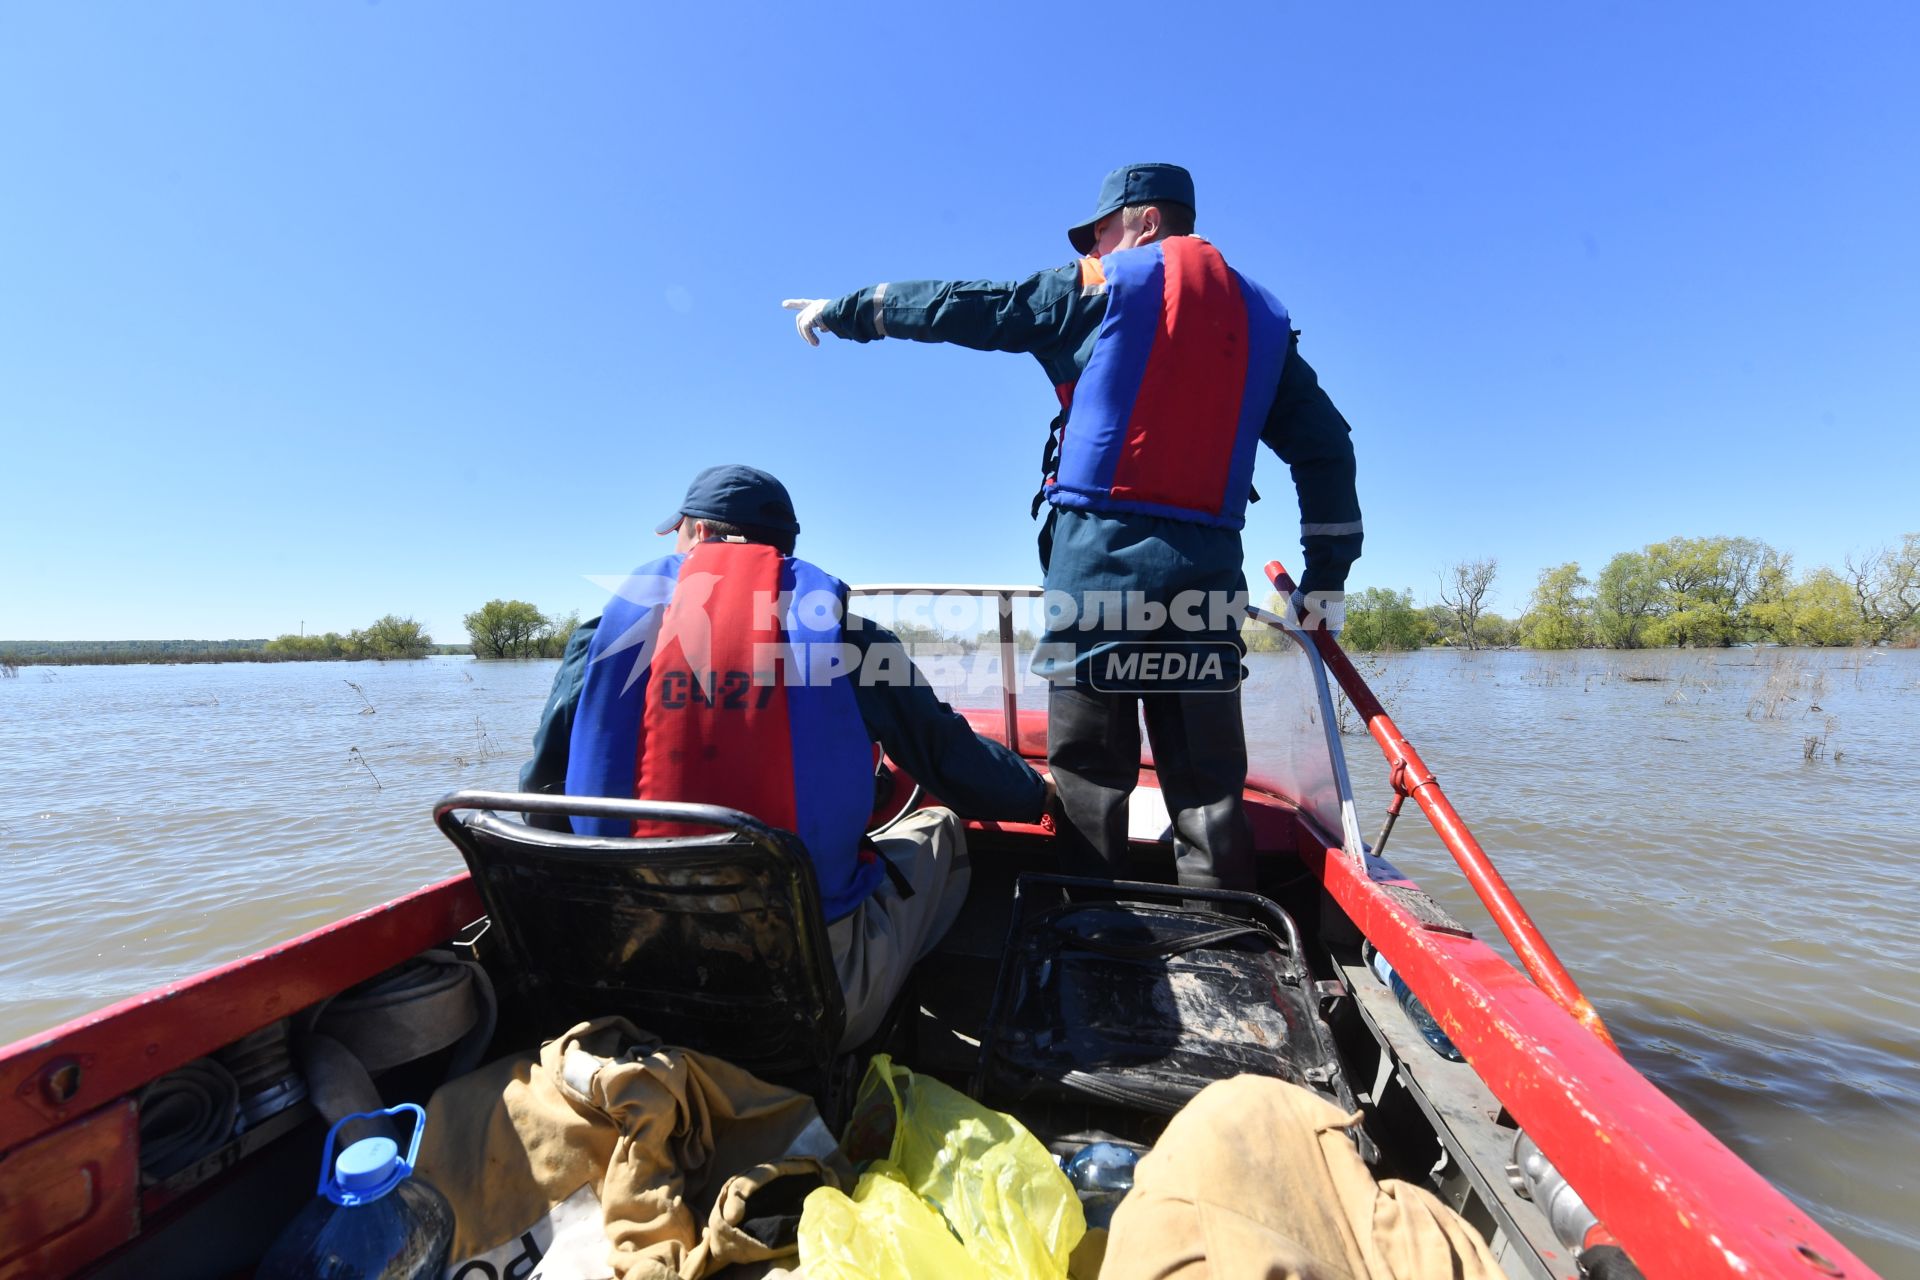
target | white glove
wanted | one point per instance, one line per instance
(807, 323)
(1322, 611)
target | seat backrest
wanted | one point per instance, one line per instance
(714, 941)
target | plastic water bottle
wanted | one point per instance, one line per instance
(1416, 1012)
(1102, 1174)
(373, 1220)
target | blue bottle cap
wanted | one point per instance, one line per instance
(371, 1167)
(366, 1164)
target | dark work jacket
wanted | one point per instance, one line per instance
(1055, 316)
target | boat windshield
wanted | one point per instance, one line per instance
(1291, 747)
(967, 641)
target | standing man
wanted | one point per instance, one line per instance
(1170, 368)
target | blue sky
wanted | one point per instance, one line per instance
(311, 312)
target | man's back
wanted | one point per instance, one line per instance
(709, 696)
(1168, 413)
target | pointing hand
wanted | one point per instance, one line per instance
(807, 323)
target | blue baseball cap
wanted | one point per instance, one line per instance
(1134, 184)
(733, 494)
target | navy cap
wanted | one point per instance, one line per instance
(1134, 184)
(734, 494)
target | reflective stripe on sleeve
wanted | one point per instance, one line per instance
(1330, 530)
(879, 310)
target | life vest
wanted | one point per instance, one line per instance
(1166, 416)
(716, 678)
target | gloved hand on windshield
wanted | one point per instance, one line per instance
(808, 321)
(1321, 611)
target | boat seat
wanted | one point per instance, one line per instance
(713, 940)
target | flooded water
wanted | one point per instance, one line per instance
(1722, 847)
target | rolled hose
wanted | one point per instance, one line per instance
(430, 1002)
(185, 1116)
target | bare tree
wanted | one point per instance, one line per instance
(1463, 590)
(1886, 588)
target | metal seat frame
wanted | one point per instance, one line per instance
(712, 941)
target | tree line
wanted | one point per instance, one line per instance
(1683, 592)
(388, 637)
(498, 629)
(21, 653)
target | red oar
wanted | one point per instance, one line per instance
(1412, 777)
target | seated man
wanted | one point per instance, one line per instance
(729, 673)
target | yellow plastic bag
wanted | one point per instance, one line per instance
(884, 1230)
(976, 1173)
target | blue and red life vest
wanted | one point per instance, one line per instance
(717, 677)
(1166, 416)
